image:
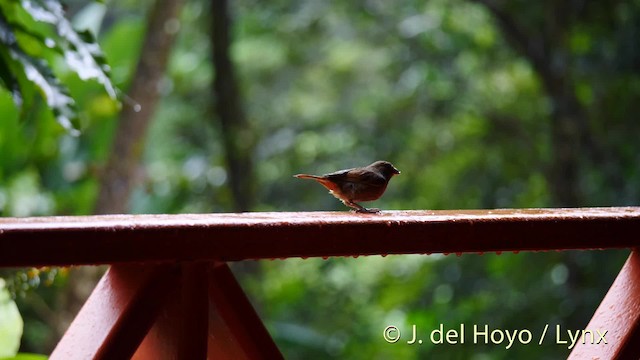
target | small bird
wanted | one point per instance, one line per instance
(358, 184)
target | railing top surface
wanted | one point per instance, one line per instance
(142, 238)
(285, 219)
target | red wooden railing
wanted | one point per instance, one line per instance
(168, 271)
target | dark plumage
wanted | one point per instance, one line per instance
(358, 184)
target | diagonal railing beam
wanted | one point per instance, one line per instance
(614, 330)
(116, 239)
(118, 314)
(235, 329)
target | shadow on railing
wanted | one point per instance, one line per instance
(169, 270)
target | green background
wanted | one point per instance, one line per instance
(440, 88)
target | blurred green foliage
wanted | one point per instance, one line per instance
(11, 324)
(35, 33)
(432, 86)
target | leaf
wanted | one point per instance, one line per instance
(81, 51)
(57, 95)
(11, 323)
(9, 80)
(27, 356)
(7, 77)
(23, 72)
(38, 73)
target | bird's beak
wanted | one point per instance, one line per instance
(396, 171)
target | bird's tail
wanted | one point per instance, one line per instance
(307, 176)
(330, 185)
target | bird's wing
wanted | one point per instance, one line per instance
(360, 176)
(339, 176)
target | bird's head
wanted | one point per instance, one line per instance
(385, 168)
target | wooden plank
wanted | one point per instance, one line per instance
(230, 237)
(616, 323)
(235, 329)
(180, 330)
(118, 314)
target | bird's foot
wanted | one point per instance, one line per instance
(359, 209)
(365, 210)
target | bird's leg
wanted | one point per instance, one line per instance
(361, 209)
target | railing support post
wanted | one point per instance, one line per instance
(180, 330)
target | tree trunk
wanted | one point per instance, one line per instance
(568, 144)
(571, 136)
(122, 168)
(237, 136)
(123, 164)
